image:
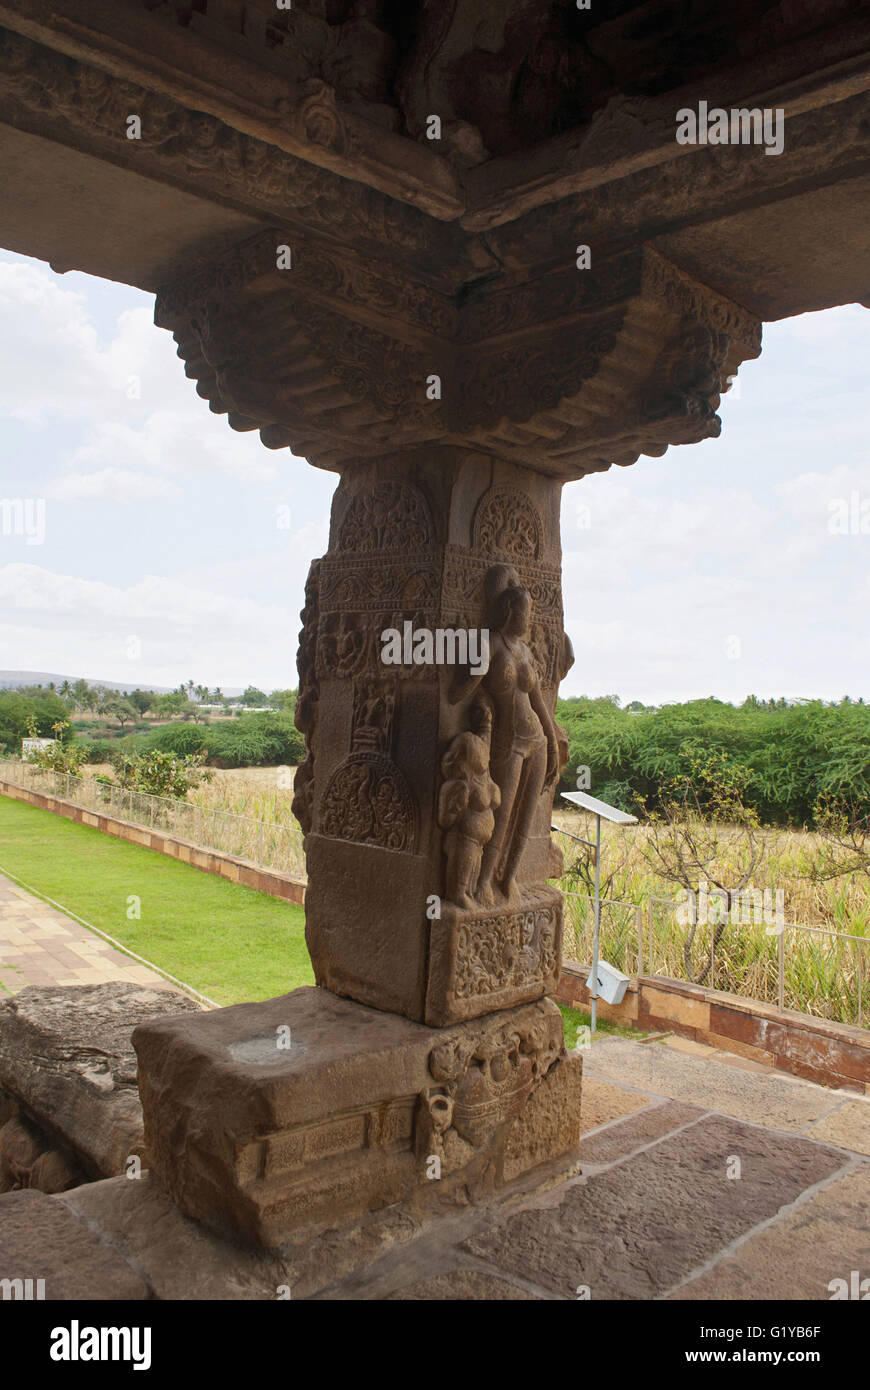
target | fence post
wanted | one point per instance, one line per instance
(860, 945)
(151, 811)
(638, 921)
(260, 846)
(781, 968)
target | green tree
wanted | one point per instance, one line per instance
(121, 709)
(142, 700)
(167, 705)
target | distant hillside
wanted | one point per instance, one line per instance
(10, 679)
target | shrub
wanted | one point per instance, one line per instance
(181, 739)
(160, 773)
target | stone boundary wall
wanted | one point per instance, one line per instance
(212, 861)
(833, 1054)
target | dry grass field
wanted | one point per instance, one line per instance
(803, 965)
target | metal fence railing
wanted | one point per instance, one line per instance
(270, 844)
(813, 970)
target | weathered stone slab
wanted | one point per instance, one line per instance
(822, 1240)
(67, 1059)
(179, 1258)
(41, 1239)
(636, 1229)
(603, 1102)
(359, 1111)
(761, 1099)
(848, 1127)
(626, 1135)
(462, 1285)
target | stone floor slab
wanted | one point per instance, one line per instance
(462, 1284)
(823, 1239)
(178, 1258)
(636, 1229)
(762, 1099)
(849, 1127)
(40, 1238)
(624, 1136)
(603, 1102)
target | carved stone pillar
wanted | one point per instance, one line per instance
(427, 795)
(454, 398)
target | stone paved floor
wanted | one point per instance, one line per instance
(699, 1180)
(41, 946)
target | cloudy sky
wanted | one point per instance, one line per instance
(175, 549)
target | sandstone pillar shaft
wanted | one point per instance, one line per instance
(427, 795)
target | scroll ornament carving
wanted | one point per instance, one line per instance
(391, 516)
(368, 801)
(505, 950)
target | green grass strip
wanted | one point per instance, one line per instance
(229, 942)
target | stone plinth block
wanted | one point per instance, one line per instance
(309, 1110)
(481, 959)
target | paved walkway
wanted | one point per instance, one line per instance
(42, 946)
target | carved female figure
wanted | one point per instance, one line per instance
(525, 758)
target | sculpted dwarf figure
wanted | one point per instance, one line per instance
(525, 753)
(466, 805)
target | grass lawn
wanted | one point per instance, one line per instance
(229, 942)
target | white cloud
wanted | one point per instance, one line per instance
(113, 484)
(132, 394)
(86, 625)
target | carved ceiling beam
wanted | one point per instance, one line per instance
(300, 117)
(632, 133)
(76, 104)
(822, 147)
(241, 83)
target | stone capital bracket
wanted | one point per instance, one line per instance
(339, 357)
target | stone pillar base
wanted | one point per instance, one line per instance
(306, 1111)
